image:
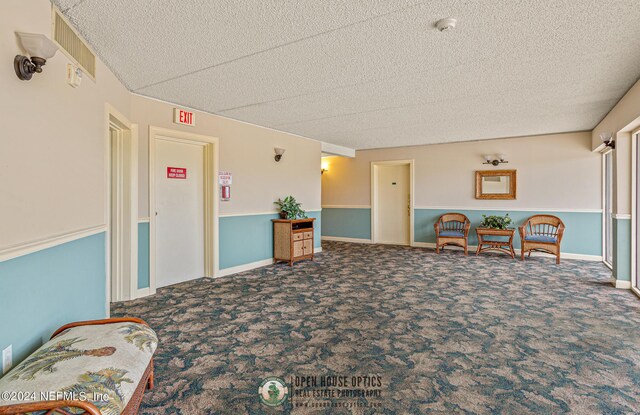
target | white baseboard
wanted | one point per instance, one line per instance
(143, 292)
(244, 267)
(472, 249)
(393, 243)
(252, 265)
(351, 240)
(623, 285)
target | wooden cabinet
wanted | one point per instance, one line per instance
(292, 240)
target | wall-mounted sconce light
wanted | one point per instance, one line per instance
(279, 153)
(324, 167)
(494, 160)
(39, 47)
(607, 140)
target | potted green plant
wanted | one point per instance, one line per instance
(496, 222)
(290, 208)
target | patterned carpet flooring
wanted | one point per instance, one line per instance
(441, 334)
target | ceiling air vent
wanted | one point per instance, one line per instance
(73, 45)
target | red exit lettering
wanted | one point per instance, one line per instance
(183, 117)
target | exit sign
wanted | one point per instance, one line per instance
(183, 117)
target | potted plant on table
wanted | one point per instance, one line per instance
(290, 208)
(496, 221)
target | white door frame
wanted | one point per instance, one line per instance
(604, 205)
(635, 136)
(211, 202)
(374, 190)
(127, 228)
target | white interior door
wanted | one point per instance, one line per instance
(179, 212)
(392, 204)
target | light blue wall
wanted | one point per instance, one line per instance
(42, 291)
(346, 223)
(143, 254)
(583, 234)
(622, 249)
(247, 239)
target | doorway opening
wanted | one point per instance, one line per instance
(392, 202)
(122, 207)
(183, 207)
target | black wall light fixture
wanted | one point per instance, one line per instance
(607, 140)
(279, 152)
(494, 160)
(39, 47)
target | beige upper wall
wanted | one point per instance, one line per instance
(52, 146)
(247, 152)
(554, 172)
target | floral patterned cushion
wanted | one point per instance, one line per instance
(102, 363)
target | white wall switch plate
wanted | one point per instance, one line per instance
(7, 359)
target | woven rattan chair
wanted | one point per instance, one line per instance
(452, 229)
(541, 233)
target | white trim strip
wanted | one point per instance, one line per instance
(462, 208)
(336, 150)
(143, 292)
(472, 248)
(350, 240)
(509, 209)
(252, 265)
(623, 285)
(266, 212)
(346, 206)
(244, 267)
(19, 250)
(621, 216)
(144, 220)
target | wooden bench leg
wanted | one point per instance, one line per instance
(150, 381)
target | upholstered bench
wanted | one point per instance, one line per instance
(99, 367)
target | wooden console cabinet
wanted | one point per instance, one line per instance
(292, 240)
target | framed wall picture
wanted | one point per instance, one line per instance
(496, 184)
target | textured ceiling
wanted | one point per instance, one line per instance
(375, 73)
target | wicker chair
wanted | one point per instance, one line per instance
(541, 233)
(452, 229)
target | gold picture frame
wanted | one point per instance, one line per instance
(496, 184)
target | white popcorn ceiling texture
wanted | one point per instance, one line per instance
(375, 73)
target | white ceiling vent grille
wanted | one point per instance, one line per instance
(73, 45)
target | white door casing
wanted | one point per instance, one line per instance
(211, 194)
(121, 208)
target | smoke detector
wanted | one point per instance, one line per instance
(444, 25)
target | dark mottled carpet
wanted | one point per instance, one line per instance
(442, 334)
